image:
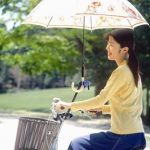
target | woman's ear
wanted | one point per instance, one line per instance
(125, 49)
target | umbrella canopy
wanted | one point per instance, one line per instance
(85, 14)
(98, 14)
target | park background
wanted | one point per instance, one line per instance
(38, 64)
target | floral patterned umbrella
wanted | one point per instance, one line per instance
(98, 14)
(85, 14)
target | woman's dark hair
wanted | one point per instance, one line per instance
(126, 39)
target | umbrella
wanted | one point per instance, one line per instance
(99, 14)
(85, 14)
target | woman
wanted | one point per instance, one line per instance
(124, 91)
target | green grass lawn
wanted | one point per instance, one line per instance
(39, 100)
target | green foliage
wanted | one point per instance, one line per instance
(33, 48)
(3, 76)
(96, 63)
(38, 52)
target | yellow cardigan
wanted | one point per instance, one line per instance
(125, 101)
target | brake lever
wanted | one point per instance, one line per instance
(83, 113)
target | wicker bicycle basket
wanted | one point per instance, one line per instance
(36, 134)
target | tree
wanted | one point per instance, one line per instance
(33, 48)
(33, 57)
(3, 68)
(36, 50)
(3, 77)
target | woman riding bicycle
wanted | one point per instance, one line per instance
(124, 91)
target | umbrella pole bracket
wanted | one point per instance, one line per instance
(81, 88)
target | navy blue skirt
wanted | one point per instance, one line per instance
(108, 141)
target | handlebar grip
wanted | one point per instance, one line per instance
(93, 111)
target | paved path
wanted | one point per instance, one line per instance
(8, 129)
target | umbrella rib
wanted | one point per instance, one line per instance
(130, 24)
(49, 21)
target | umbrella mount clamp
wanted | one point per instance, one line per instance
(81, 88)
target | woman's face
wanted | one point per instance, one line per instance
(113, 49)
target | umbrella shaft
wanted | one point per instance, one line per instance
(83, 50)
(83, 69)
(74, 97)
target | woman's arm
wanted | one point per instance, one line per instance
(106, 109)
(114, 85)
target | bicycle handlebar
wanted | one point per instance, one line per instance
(63, 115)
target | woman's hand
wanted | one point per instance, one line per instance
(60, 105)
(94, 111)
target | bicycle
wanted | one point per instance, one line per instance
(42, 134)
(39, 133)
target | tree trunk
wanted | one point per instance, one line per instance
(64, 79)
(98, 88)
(42, 85)
(18, 78)
(147, 117)
(18, 83)
(32, 82)
(147, 97)
(99, 84)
